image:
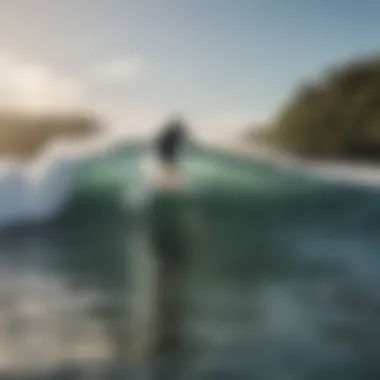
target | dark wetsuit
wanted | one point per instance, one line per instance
(168, 239)
(169, 143)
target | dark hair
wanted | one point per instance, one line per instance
(170, 140)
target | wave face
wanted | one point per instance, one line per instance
(284, 266)
(283, 270)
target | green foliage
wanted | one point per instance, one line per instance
(337, 117)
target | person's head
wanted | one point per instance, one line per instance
(176, 122)
(171, 139)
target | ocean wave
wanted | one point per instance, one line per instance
(35, 191)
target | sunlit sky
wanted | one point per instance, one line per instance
(221, 63)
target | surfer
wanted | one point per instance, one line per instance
(170, 141)
(167, 237)
(159, 311)
(169, 146)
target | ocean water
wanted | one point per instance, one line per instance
(281, 274)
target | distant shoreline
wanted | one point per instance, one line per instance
(337, 171)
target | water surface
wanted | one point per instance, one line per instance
(282, 276)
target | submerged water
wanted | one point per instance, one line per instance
(282, 274)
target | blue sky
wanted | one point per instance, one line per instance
(219, 62)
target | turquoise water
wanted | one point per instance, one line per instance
(282, 269)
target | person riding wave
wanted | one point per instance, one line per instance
(169, 146)
(170, 141)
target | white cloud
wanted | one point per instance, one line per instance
(226, 126)
(111, 72)
(37, 87)
(141, 121)
(130, 121)
(40, 88)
